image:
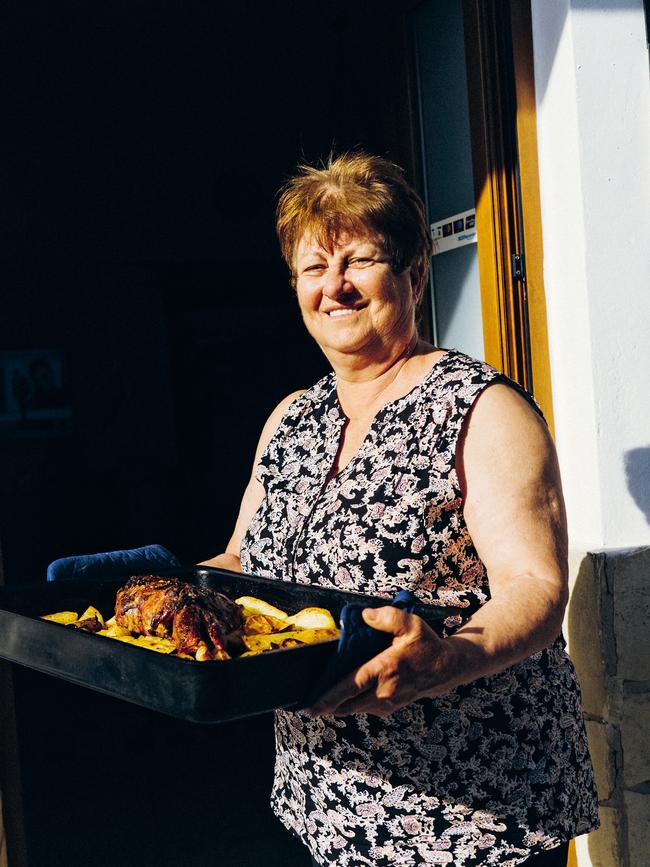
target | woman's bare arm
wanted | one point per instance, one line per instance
(253, 495)
(515, 515)
(514, 512)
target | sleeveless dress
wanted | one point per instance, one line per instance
(494, 771)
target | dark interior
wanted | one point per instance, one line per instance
(143, 144)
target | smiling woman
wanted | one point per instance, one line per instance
(415, 467)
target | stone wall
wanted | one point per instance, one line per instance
(608, 628)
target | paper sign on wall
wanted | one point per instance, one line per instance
(455, 231)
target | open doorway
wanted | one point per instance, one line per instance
(144, 147)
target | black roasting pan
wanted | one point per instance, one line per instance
(204, 692)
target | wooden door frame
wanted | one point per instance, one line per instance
(526, 122)
(504, 144)
(504, 137)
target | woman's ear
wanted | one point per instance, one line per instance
(417, 271)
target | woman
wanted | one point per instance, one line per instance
(419, 468)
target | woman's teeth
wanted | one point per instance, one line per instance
(337, 314)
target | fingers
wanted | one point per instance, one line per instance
(367, 704)
(384, 697)
(379, 693)
(350, 687)
(377, 687)
(389, 619)
(373, 688)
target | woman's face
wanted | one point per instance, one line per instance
(350, 299)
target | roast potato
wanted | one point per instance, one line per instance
(312, 618)
(63, 617)
(289, 638)
(252, 606)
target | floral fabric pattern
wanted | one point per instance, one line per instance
(491, 773)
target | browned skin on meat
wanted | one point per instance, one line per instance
(199, 620)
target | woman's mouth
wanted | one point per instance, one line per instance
(343, 312)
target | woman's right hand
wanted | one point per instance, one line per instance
(224, 561)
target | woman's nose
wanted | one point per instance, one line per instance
(336, 283)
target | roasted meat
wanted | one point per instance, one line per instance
(200, 621)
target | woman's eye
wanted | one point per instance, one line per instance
(312, 268)
(360, 261)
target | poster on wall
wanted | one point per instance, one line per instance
(33, 398)
(453, 232)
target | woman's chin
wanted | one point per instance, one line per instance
(345, 344)
(344, 338)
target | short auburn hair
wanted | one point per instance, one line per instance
(354, 193)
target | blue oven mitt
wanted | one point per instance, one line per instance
(137, 561)
(358, 643)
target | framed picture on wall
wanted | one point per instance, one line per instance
(34, 401)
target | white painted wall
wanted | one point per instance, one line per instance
(593, 124)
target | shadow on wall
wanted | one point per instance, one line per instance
(637, 475)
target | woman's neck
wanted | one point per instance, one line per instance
(361, 384)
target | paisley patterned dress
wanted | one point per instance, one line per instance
(491, 773)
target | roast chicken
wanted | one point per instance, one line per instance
(200, 621)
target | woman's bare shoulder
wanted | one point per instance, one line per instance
(504, 413)
(505, 438)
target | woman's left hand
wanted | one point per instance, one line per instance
(417, 664)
